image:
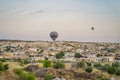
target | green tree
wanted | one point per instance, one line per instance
(6, 67)
(60, 55)
(18, 71)
(46, 63)
(80, 64)
(8, 48)
(118, 73)
(1, 67)
(89, 64)
(97, 65)
(40, 51)
(3, 60)
(112, 50)
(89, 69)
(111, 70)
(58, 65)
(102, 78)
(26, 61)
(77, 55)
(27, 76)
(105, 67)
(116, 64)
(98, 55)
(48, 77)
(22, 75)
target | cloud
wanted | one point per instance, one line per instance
(39, 11)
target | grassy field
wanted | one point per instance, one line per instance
(9, 75)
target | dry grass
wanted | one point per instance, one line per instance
(9, 75)
(13, 65)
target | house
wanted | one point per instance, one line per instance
(36, 57)
(21, 55)
(1, 56)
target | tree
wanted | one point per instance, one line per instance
(3, 60)
(0, 51)
(105, 67)
(97, 65)
(77, 55)
(60, 55)
(118, 73)
(40, 51)
(98, 55)
(3, 67)
(8, 48)
(89, 64)
(102, 78)
(27, 76)
(89, 69)
(58, 65)
(48, 77)
(18, 71)
(22, 75)
(26, 61)
(46, 63)
(81, 64)
(112, 50)
(6, 67)
(116, 64)
(111, 70)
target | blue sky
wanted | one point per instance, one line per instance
(72, 19)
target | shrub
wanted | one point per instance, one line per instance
(58, 65)
(3, 60)
(22, 75)
(116, 64)
(48, 77)
(118, 73)
(3, 67)
(26, 61)
(102, 78)
(89, 69)
(46, 63)
(89, 64)
(77, 55)
(27, 76)
(111, 70)
(60, 55)
(6, 67)
(105, 67)
(81, 64)
(18, 71)
(97, 65)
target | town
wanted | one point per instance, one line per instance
(68, 52)
(73, 51)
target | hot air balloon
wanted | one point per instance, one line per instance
(92, 28)
(54, 35)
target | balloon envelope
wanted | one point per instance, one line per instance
(92, 28)
(54, 35)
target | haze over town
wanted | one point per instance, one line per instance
(72, 19)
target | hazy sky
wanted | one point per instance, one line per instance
(72, 19)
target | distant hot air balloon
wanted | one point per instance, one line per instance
(54, 35)
(92, 28)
